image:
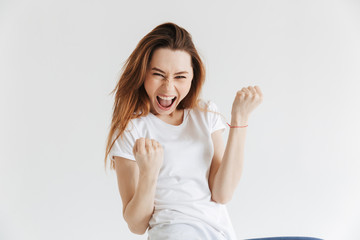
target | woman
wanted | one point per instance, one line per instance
(165, 143)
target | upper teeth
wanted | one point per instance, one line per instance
(166, 98)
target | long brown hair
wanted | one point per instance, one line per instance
(131, 99)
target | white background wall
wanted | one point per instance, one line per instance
(59, 60)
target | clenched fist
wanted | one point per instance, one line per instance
(246, 100)
(149, 155)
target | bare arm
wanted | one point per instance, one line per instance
(139, 210)
(149, 157)
(227, 176)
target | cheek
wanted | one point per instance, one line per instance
(150, 86)
(185, 88)
(188, 85)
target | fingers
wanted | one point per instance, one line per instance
(148, 144)
(244, 92)
(139, 145)
(259, 91)
(250, 91)
(145, 145)
(155, 143)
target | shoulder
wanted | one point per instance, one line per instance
(207, 106)
(131, 129)
(203, 104)
(140, 125)
(208, 110)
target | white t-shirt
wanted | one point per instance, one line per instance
(183, 205)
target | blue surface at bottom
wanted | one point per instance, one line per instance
(285, 238)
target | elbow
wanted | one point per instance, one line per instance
(220, 199)
(134, 224)
(137, 230)
(137, 225)
(223, 201)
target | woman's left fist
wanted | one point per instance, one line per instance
(246, 100)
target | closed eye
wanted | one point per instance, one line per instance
(158, 74)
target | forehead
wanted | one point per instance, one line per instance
(167, 59)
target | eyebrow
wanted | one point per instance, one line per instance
(157, 69)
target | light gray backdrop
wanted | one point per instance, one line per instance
(59, 60)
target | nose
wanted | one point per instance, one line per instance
(168, 83)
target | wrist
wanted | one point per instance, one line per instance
(243, 121)
(149, 175)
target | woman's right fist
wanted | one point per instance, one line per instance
(149, 155)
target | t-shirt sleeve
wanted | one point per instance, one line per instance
(123, 147)
(216, 121)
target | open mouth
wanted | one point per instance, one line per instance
(165, 104)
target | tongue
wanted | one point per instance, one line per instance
(164, 103)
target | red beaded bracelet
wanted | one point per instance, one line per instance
(236, 126)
